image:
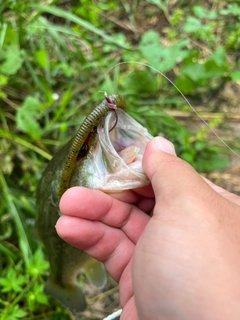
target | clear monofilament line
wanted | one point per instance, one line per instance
(188, 103)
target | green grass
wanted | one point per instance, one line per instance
(55, 59)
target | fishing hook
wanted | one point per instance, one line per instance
(113, 107)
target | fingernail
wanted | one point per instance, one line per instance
(164, 145)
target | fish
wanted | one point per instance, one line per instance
(105, 154)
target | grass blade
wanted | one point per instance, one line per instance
(23, 239)
(24, 143)
(85, 24)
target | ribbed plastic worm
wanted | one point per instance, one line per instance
(91, 121)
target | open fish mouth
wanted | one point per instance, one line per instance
(115, 163)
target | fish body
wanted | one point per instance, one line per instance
(98, 158)
(66, 262)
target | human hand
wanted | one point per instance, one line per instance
(181, 263)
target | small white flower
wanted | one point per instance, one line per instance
(55, 96)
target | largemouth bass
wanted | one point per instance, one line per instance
(105, 154)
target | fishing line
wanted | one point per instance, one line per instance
(188, 103)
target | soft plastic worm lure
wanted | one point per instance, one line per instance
(112, 102)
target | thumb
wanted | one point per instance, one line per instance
(171, 176)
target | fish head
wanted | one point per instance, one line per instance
(112, 155)
(109, 157)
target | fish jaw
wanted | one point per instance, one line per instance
(114, 162)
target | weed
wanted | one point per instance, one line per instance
(54, 60)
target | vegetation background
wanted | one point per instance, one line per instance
(55, 57)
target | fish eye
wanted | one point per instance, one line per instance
(83, 150)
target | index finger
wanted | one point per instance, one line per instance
(95, 205)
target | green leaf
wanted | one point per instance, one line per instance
(36, 296)
(162, 58)
(42, 58)
(235, 75)
(199, 11)
(232, 9)
(184, 84)
(3, 80)
(203, 13)
(192, 25)
(10, 59)
(37, 265)
(27, 116)
(219, 57)
(216, 66)
(63, 68)
(12, 282)
(199, 145)
(10, 53)
(140, 81)
(211, 162)
(16, 313)
(187, 156)
(9, 36)
(40, 296)
(195, 71)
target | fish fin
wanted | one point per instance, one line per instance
(71, 297)
(95, 273)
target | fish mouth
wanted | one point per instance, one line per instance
(115, 163)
